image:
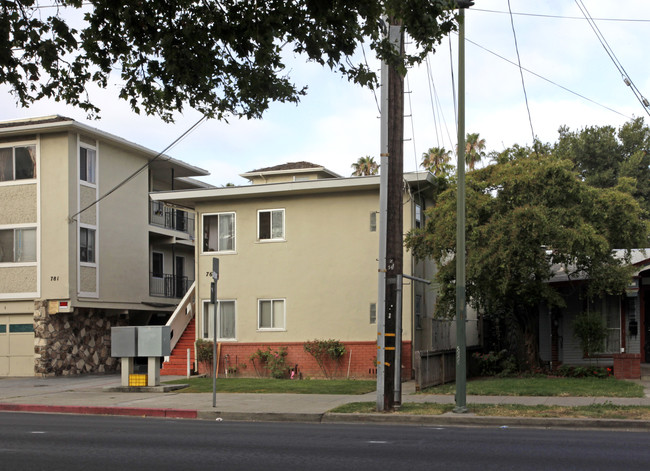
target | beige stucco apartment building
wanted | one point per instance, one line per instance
(82, 247)
(298, 255)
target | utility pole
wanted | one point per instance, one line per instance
(391, 220)
(461, 302)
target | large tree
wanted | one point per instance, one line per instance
(525, 214)
(606, 157)
(436, 160)
(365, 166)
(221, 57)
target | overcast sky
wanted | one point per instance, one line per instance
(337, 122)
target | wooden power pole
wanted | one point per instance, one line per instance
(394, 158)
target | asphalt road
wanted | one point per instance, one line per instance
(69, 442)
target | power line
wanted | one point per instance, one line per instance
(540, 15)
(610, 52)
(521, 73)
(137, 172)
(547, 80)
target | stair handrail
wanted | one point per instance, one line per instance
(182, 316)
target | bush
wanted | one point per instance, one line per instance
(591, 331)
(583, 372)
(204, 353)
(323, 350)
(496, 364)
(272, 361)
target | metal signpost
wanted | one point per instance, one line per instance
(213, 301)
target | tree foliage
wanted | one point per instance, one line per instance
(606, 158)
(222, 58)
(365, 166)
(525, 214)
(436, 160)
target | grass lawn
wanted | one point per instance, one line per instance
(545, 386)
(596, 411)
(269, 385)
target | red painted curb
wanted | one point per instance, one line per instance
(102, 410)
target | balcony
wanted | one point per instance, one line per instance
(171, 218)
(168, 286)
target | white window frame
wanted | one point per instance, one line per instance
(208, 313)
(94, 248)
(21, 227)
(271, 238)
(234, 232)
(91, 164)
(13, 147)
(284, 315)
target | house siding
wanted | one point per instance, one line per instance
(18, 203)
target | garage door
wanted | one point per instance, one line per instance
(17, 345)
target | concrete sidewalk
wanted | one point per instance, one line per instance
(92, 395)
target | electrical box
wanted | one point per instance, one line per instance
(154, 341)
(124, 342)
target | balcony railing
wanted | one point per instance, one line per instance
(170, 218)
(168, 286)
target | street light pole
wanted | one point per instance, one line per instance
(461, 303)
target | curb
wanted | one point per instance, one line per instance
(102, 410)
(475, 421)
(260, 416)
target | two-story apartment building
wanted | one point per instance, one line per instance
(298, 255)
(82, 247)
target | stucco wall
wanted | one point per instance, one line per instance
(18, 204)
(18, 279)
(326, 269)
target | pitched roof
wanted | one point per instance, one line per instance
(287, 166)
(31, 121)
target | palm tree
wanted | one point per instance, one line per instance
(365, 166)
(436, 161)
(474, 150)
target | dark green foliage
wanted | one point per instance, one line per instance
(222, 58)
(591, 331)
(526, 213)
(495, 364)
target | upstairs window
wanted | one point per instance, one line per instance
(87, 165)
(17, 245)
(219, 232)
(17, 163)
(270, 224)
(86, 245)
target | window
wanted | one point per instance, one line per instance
(418, 216)
(157, 265)
(86, 245)
(271, 314)
(225, 321)
(373, 313)
(219, 232)
(17, 245)
(17, 163)
(270, 224)
(373, 221)
(87, 165)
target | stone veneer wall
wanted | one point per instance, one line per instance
(73, 343)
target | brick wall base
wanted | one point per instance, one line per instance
(358, 362)
(627, 366)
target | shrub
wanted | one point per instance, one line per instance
(591, 331)
(204, 353)
(495, 364)
(583, 372)
(272, 361)
(322, 350)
